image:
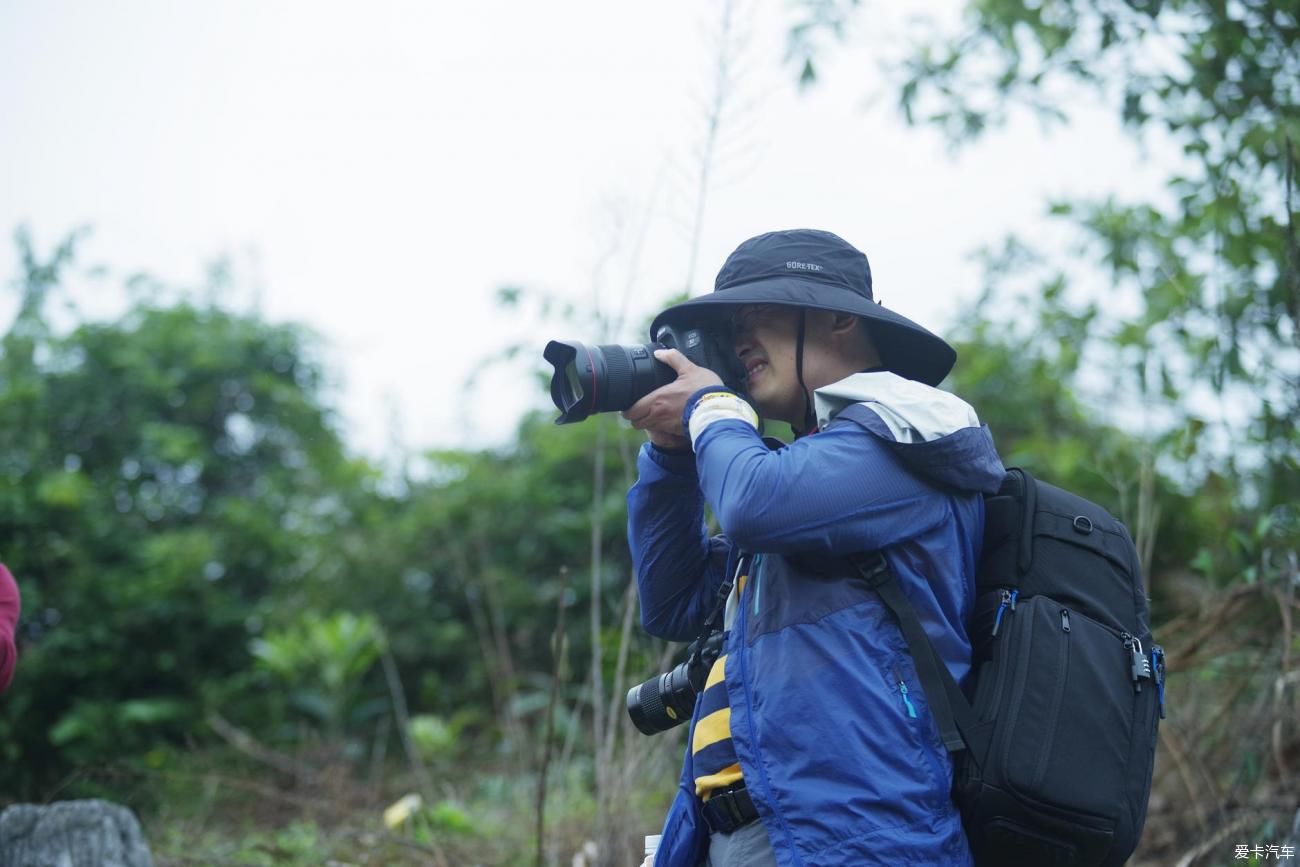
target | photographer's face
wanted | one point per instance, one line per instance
(766, 337)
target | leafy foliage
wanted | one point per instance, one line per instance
(1216, 271)
(1214, 348)
(323, 660)
(190, 536)
(160, 474)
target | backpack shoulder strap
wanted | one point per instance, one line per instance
(1008, 546)
(1029, 491)
(952, 712)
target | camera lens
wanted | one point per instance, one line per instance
(590, 379)
(664, 701)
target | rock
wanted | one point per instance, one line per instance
(72, 834)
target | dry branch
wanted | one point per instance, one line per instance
(250, 746)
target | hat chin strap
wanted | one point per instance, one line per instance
(809, 416)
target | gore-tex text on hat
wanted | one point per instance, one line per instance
(802, 266)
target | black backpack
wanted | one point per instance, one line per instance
(1054, 739)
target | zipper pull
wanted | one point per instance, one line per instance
(1065, 620)
(1158, 666)
(1008, 603)
(902, 688)
(1139, 666)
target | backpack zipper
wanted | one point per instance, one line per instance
(1158, 668)
(1000, 681)
(1058, 695)
(1008, 603)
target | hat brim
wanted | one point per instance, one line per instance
(906, 348)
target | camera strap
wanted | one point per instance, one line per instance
(714, 623)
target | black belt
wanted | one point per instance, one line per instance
(729, 809)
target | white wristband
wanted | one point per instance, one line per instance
(719, 405)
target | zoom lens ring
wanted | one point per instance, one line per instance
(618, 378)
(652, 705)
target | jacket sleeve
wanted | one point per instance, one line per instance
(836, 492)
(678, 567)
(10, 606)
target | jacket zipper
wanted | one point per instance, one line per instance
(902, 690)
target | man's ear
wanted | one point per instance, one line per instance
(843, 323)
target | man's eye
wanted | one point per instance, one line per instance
(753, 317)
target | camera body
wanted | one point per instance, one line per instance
(610, 378)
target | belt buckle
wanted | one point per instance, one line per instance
(729, 807)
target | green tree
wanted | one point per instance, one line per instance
(162, 474)
(1216, 270)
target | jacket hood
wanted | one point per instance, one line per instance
(936, 434)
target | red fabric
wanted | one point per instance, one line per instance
(10, 606)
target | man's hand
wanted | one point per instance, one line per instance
(659, 413)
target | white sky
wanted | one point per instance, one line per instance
(378, 170)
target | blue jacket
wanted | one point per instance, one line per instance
(821, 686)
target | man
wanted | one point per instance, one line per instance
(812, 742)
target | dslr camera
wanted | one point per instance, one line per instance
(610, 378)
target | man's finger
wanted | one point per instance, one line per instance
(638, 410)
(674, 359)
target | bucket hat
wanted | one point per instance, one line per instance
(820, 270)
